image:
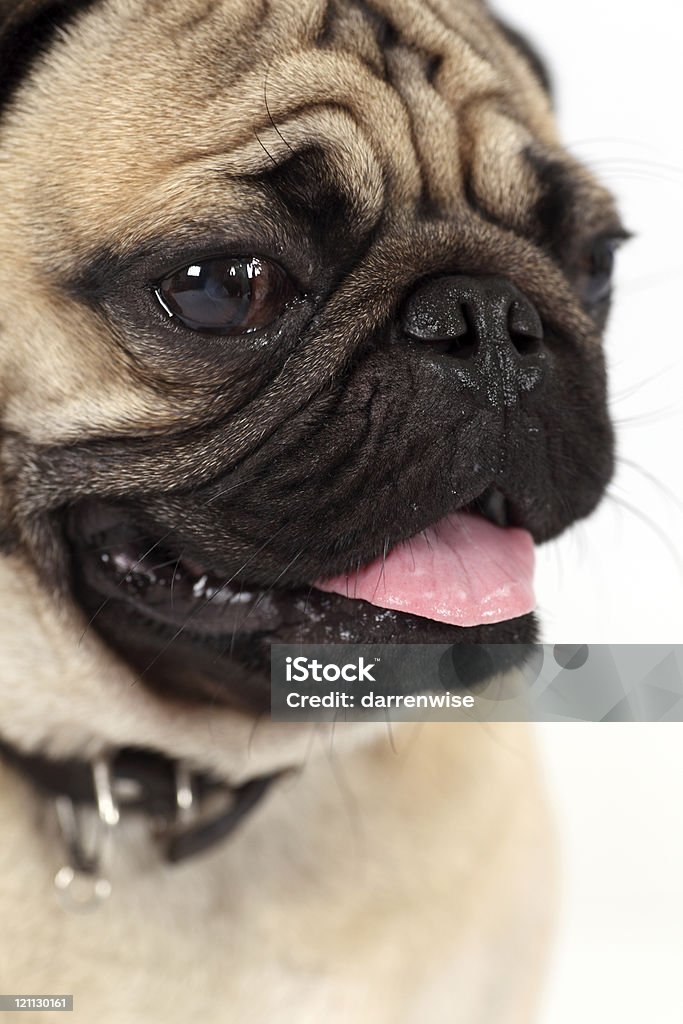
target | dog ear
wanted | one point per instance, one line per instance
(529, 52)
(27, 28)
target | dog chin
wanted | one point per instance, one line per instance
(193, 634)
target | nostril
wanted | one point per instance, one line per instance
(466, 345)
(526, 346)
(525, 328)
(480, 319)
(458, 348)
(428, 320)
(446, 329)
(463, 348)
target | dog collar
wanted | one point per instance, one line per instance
(188, 811)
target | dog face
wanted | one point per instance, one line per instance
(285, 290)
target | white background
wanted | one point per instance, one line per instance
(618, 789)
(618, 576)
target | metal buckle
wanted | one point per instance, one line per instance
(81, 883)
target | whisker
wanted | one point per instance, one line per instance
(640, 419)
(412, 553)
(238, 627)
(175, 573)
(663, 488)
(654, 527)
(390, 734)
(270, 116)
(200, 607)
(106, 601)
(640, 284)
(380, 578)
(632, 389)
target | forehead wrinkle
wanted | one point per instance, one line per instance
(350, 158)
(476, 57)
(432, 109)
(426, 121)
(470, 53)
(102, 176)
(340, 80)
(296, 21)
(248, 103)
(434, 130)
(498, 173)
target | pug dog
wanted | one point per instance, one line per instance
(301, 307)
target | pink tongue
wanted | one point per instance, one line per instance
(463, 570)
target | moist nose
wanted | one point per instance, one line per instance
(485, 324)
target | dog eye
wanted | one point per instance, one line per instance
(596, 271)
(226, 295)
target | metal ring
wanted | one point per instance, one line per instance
(80, 884)
(80, 891)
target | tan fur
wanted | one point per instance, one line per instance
(375, 885)
(137, 155)
(401, 878)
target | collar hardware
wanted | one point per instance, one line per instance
(81, 883)
(188, 811)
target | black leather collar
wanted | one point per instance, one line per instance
(148, 782)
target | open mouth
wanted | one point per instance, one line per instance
(179, 623)
(468, 569)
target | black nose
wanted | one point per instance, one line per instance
(487, 325)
